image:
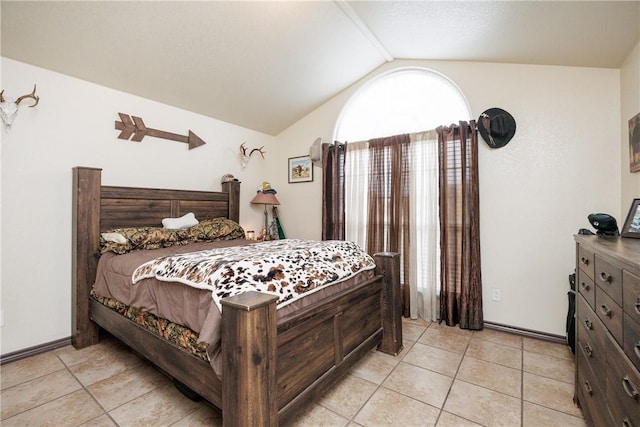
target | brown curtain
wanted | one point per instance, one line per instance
(388, 208)
(461, 282)
(333, 156)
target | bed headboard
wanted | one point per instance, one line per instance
(137, 207)
(97, 208)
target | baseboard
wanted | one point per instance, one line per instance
(32, 351)
(526, 332)
(43, 348)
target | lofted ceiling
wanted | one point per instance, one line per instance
(264, 65)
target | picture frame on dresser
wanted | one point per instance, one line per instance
(631, 226)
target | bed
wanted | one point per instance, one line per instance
(273, 364)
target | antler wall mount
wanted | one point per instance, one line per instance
(245, 154)
(9, 107)
(133, 127)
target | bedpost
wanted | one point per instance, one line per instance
(86, 243)
(388, 265)
(249, 384)
(233, 188)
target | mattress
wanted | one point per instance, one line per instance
(185, 305)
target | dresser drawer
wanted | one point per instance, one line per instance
(610, 313)
(586, 261)
(586, 288)
(631, 336)
(631, 295)
(590, 323)
(623, 388)
(592, 350)
(590, 394)
(608, 277)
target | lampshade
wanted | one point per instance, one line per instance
(265, 199)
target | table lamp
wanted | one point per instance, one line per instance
(265, 199)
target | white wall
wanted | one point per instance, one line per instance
(535, 193)
(73, 125)
(630, 106)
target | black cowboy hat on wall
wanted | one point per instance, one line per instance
(497, 127)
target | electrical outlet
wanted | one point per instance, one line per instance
(496, 294)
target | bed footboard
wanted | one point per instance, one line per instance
(273, 369)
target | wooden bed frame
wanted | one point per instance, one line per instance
(272, 368)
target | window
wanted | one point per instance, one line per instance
(401, 101)
(405, 101)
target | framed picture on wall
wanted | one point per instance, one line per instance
(631, 226)
(634, 143)
(300, 169)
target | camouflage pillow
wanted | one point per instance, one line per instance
(216, 229)
(123, 240)
(118, 248)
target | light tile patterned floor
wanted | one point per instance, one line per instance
(444, 377)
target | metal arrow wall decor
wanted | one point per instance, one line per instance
(134, 127)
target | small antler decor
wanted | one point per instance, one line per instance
(245, 154)
(9, 107)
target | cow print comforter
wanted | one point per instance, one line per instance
(287, 268)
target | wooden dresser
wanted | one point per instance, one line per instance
(608, 330)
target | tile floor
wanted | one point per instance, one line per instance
(444, 377)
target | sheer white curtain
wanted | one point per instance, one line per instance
(424, 273)
(424, 256)
(356, 191)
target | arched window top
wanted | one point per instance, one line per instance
(404, 100)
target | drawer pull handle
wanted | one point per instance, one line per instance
(605, 277)
(584, 260)
(605, 310)
(637, 306)
(636, 349)
(629, 388)
(585, 287)
(588, 324)
(588, 388)
(626, 422)
(588, 350)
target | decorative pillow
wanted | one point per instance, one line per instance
(141, 238)
(135, 238)
(114, 238)
(216, 229)
(111, 246)
(185, 221)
